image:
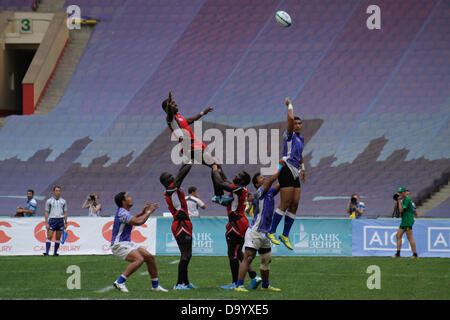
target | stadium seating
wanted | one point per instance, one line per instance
(441, 211)
(16, 5)
(376, 103)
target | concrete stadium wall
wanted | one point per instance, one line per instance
(6, 95)
(44, 62)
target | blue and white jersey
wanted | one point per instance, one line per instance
(121, 227)
(56, 207)
(31, 205)
(264, 204)
(292, 149)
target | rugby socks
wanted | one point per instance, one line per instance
(121, 279)
(240, 282)
(48, 243)
(234, 266)
(155, 283)
(183, 272)
(56, 247)
(289, 219)
(278, 215)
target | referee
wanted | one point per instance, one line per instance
(55, 219)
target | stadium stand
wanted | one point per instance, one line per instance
(376, 103)
(16, 5)
(441, 211)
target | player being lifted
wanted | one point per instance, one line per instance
(181, 225)
(179, 126)
(237, 221)
(255, 236)
(289, 180)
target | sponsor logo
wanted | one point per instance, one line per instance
(107, 231)
(3, 236)
(316, 242)
(40, 232)
(202, 242)
(439, 239)
(136, 235)
(382, 238)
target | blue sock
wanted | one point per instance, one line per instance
(239, 283)
(277, 216)
(121, 279)
(155, 283)
(56, 246)
(47, 246)
(289, 219)
(265, 283)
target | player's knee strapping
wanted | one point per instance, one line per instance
(266, 258)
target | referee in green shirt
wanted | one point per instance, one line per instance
(405, 206)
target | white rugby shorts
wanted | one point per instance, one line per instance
(256, 240)
(123, 248)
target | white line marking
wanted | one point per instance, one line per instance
(108, 288)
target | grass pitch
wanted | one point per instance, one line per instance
(36, 277)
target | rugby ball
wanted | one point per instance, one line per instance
(283, 19)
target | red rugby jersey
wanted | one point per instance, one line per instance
(176, 201)
(239, 195)
(177, 125)
(238, 222)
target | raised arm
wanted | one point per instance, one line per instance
(143, 216)
(86, 203)
(170, 109)
(97, 208)
(225, 185)
(268, 182)
(198, 116)
(182, 174)
(290, 115)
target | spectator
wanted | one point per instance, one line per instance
(194, 202)
(355, 208)
(30, 208)
(93, 205)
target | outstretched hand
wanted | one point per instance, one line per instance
(208, 110)
(150, 208)
(287, 101)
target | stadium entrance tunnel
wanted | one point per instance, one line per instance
(17, 60)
